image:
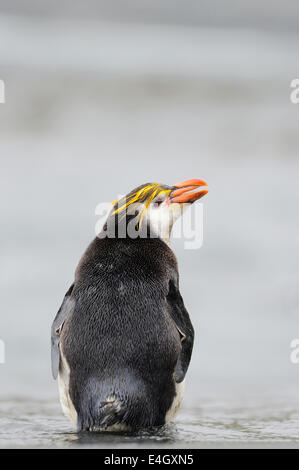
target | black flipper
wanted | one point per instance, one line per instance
(64, 312)
(183, 323)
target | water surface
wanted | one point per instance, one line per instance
(40, 424)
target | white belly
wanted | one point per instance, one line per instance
(63, 386)
(177, 402)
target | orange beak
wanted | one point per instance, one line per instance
(185, 191)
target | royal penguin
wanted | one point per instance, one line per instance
(122, 339)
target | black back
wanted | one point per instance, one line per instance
(122, 339)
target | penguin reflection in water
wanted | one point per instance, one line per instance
(122, 339)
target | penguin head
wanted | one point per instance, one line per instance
(152, 208)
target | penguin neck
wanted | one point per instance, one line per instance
(166, 240)
(114, 228)
(163, 234)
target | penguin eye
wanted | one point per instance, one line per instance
(158, 202)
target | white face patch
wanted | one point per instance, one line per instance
(162, 217)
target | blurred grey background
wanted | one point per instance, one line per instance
(104, 96)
